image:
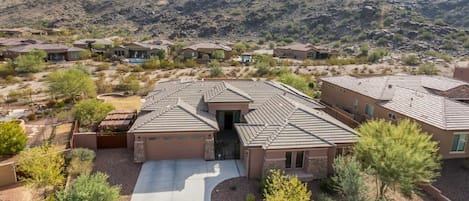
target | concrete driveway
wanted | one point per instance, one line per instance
(181, 180)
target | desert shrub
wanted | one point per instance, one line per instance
(427, 69)
(411, 60)
(82, 154)
(103, 66)
(130, 84)
(439, 55)
(282, 187)
(31, 62)
(152, 63)
(328, 186)
(78, 167)
(216, 71)
(348, 179)
(377, 55)
(90, 187)
(324, 197)
(190, 63)
(90, 112)
(12, 137)
(218, 54)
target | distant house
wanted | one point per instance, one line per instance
(437, 103)
(302, 52)
(23, 31)
(461, 74)
(13, 42)
(90, 43)
(138, 50)
(263, 123)
(204, 51)
(55, 52)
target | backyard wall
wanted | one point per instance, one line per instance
(85, 140)
(7, 174)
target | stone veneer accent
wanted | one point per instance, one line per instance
(317, 166)
(270, 164)
(139, 151)
(209, 149)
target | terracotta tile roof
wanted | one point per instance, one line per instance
(17, 41)
(93, 40)
(45, 47)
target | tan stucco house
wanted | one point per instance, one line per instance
(55, 52)
(302, 52)
(263, 123)
(438, 104)
(203, 52)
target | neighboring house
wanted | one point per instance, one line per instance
(436, 103)
(13, 42)
(204, 51)
(264, 123)
(55, 52)
(302, 52)
(94, 44)
(138, 50)
(461, 74)
(23, 31)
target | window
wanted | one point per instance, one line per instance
(288, 161)
(299, 159)
(459, 142)
(391, 116)
(369, 110)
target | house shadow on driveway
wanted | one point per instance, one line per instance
(180, 180)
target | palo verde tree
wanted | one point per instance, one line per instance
(12, 137)
(397, 155)
(43, 167)
(281, 187)
(73, 83)
(31, 62)
(91, 111)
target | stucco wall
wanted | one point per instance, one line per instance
(443, 137)
(334, 95)
(7, 174)
(85, 140)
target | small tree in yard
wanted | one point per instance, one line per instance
(12, 137)
(43, 167)
(71, 84)
(348, 179)
(397, 155)
(218, 54)
(90, 112)
(280, 187)
(90, 187)
(31, 62)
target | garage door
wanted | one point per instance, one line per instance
(177, 147)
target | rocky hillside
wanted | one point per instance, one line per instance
(408, 25)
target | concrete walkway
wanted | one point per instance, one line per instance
(183, 180)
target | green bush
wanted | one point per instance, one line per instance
(90, 187)
(216, 71)
(12, 137)
(328, 186)
(282, 187)
(250, 197)
(90, 112)
(324, 197)
(31, 62)
(411, 60)
(82, 154)
(78, 167)
(152, 63)
(427, 69)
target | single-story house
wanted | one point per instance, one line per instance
(55, 52)
(204, 51)
(137, 50)
(438, 104)
(23, 31)
(13, 42)
(302, 52)
(265, 124)
(91, 43)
